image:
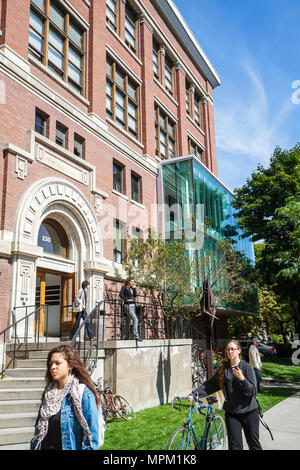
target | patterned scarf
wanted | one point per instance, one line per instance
(52, 404)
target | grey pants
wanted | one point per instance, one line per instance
(131, 313)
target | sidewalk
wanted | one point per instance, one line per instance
(284, 422)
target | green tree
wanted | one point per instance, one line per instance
(267, 210)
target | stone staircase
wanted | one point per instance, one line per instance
(20, 397)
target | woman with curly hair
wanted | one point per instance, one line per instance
(68, 415)
(236, 378)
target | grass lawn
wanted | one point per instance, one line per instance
(280, 369)
(153, 427)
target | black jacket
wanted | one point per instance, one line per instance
(127, 294)
(239, 395)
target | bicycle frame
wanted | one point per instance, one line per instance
(190, 426)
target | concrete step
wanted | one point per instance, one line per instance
(19, 406)
(17, 420)
(24, 382)
(8, 394)
(26, 372)
(16, 435)
(32, 363)
(20, 446)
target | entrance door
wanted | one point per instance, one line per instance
(68, 293)
(57, 291)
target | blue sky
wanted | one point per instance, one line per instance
(254, 45)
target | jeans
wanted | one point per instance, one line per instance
(258, 374)
(131, 314)
(249, 422)
(83, 314)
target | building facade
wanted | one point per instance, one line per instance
(94, 95)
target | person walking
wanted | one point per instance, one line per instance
(128, 294)
(68, 415)
(255, 361)
(236, 378)
(81, 300)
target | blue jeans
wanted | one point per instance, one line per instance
(131, 314)
(83, 314)
(258, 374)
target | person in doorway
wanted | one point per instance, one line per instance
(255, 361)
(68, 415)
(81, 299)
(128, 294)
(236, 378)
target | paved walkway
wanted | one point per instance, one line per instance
(283, 420)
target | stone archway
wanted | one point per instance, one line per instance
(59, 199)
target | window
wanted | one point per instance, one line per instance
(121, 98)
(195, 149)
(198, 110)
(169, 75)
(52, 238)
(79, 146)
(156, 61)
(61, 135)
(130, 28)
(118, 177)
(41, 122)
(136, 193)
(56, 40)
(112, 14)
(119, 241)
(165, 135)
(188, 98)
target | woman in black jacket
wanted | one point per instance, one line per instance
(236, 378)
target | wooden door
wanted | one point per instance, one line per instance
(42, 276)
(68, 291)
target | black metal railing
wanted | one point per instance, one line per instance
(17, 333)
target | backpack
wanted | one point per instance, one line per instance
(101, 422)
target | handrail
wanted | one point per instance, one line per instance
(83, 324)
(13, 328)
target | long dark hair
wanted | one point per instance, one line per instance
(226, 363)
(77, 365)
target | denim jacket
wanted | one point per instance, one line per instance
(71, 431)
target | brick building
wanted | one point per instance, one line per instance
(94, 95)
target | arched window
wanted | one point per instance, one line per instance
(53, 239)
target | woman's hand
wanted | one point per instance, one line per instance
(238, 373)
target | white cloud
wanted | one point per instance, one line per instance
(247, 123)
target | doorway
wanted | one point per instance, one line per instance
(57, 291)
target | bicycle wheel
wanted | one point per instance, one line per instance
(123, 408)
(90, 360)
(107, 406)
(216, 435)
(181, 440)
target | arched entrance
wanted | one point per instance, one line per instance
(58, 245)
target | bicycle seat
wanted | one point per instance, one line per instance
(211, 400)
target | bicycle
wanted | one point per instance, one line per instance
(114, 405)
(214, 435)
(199, 370)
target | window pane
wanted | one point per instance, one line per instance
(120, 78)
(75, 34)
(56, 58)
(120, 98)
(56, 41)
(36, 41)
(112, 5)
(57, 16)
(132, 90)
(109, 68)
(74, 74)
(75, 58)
(36, 22)
(39, 3)
(120, 113)
(132, 111)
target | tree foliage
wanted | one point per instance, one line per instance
(268, 210)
